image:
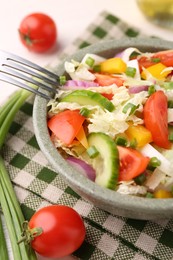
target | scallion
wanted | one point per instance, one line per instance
(8, 200)
(3, 246)
(85, 111)
(62, 80)
(131, 107)
(90, 62)
(155, 60)
(151, 90)
(97, 68)
(170, 103)
(153, 163)
(121, 140)
(171, 137)
(130, 71)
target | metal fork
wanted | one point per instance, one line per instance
(21, 72)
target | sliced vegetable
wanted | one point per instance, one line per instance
(106, 164)
(132, 163)
(140, 133)
(83, 167)
(66, 125)
(87, 97)
(157, 71)
(113, 65)
(156, 118)
(107, 80)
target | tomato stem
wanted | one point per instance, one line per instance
(28, 234)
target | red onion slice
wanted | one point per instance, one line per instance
(80, 84)
(82, 167)
(137, 89)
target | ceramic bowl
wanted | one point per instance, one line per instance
(108, 200)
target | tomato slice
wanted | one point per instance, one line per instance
(108, 96)
(156, 118)
(66, 125)
(107, 80)
(132, 163)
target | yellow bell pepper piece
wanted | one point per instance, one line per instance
(81, 137)
(139, 133)
(162, 194)
(113, 65)
(156, 71)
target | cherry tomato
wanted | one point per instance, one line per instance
(156, 118)
(132, 163)
(106, 80)
(66, 125)
(38, 32)
(63, 231)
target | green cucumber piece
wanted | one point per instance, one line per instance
(106, 163)
(88, 97)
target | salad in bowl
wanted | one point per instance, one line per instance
(111, 124)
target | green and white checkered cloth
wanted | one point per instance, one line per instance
(37, 184)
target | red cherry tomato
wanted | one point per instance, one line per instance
(38, 32)
(106, 80)
(66, 125)
(132, 163)
(156, 118)
(63, 231)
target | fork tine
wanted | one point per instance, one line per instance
(32, 65)
(30, 72)
(8, 79)
(19, 75)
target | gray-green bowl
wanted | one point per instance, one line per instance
(108, 200)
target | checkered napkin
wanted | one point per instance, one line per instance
(37, 184)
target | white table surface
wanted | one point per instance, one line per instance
(71, 17)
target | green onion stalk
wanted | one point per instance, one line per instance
(9, 203)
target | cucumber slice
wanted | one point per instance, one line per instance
(87, 97)
(106, 163)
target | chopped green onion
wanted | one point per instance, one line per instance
(170, 104)
(121, 140)
(92, 152)
(171, 137)
(153, 163)
(62, 80)
(134, 54)
(90, 62)
(156, 60)
(130, 71)
(97, 68)
(85, 111)
(133, 143)
(140, 179)
(149, 195)
(130, 106)
(151, 90)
